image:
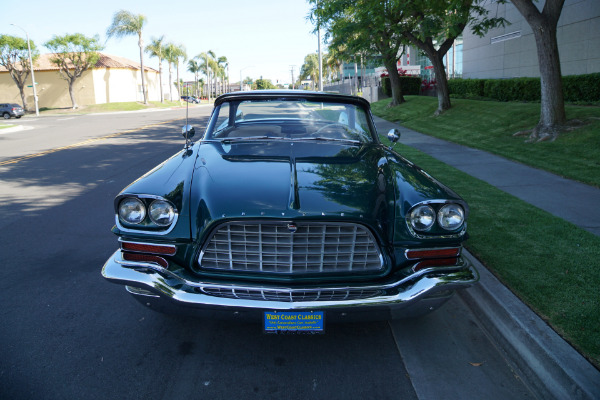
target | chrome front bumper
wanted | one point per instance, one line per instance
(164, 291)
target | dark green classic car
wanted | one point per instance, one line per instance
(290, 211)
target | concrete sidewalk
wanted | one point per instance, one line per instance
(572, 201)
(547, 363)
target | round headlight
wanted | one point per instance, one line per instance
(422, 218)
(162, 212)
(132, 210)
(451, 217)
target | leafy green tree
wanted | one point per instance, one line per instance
(264, 84)
(310, 69)
(433, 25)
(388, 25)
(156, 48)
(124, 24)
(364, 27)
(74, 54)
(544, 26)
(14, 56)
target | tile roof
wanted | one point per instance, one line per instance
(43, 63)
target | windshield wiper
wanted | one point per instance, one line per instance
(326, 139)
(242, 139)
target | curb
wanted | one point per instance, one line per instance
(546, 362)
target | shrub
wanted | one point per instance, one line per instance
(577, 88)
(410, 85)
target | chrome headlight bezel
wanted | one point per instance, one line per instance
(149, 225)
(437, 230)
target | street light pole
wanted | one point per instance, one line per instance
(35, 98)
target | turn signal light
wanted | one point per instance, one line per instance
(432, 253)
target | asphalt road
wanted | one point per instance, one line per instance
(65, 333)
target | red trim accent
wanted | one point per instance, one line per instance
(432, 253)
(166, 250)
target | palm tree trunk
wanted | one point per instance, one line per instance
(162, 100)
(141, 44)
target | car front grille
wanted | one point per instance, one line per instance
(289, 296)
(292, 248)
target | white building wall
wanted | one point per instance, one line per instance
(510, 52)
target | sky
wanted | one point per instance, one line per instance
(260, 38)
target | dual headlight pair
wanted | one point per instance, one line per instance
(449, 217)
(133, 211)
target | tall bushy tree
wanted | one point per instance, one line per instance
(124, 24)
(14, 56)
(544, 26)
(364, 26)
(433, 25)
(387, 25)
(74, 54)
(310, 69)
(156, 48)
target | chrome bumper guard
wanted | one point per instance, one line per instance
(411, 296)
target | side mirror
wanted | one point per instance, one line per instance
(188, 131)
(393, 136)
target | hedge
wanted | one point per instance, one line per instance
(577, 88)
(410, 85)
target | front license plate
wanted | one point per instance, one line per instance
(294, 322)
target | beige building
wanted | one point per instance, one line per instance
(113, 79)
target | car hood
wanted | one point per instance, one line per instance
(290, 180)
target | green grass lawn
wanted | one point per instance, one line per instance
(549, 263)
(112, 107)
(490, 125)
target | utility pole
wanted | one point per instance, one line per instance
(35, 98)
(292, 70)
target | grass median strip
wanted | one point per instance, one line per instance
(490, 125)
(551, 264)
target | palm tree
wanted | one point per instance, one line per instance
(171, 57)
(223, 63)
(179, 53)
(208, 64)
(195, 68)
(124, 24)
(156, 48)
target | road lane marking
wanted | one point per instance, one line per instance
(85, 142)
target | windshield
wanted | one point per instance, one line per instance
(291, 119)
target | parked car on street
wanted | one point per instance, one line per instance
(290, 211)
(8, 110)
(190, 99)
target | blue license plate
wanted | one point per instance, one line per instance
(294, 322)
